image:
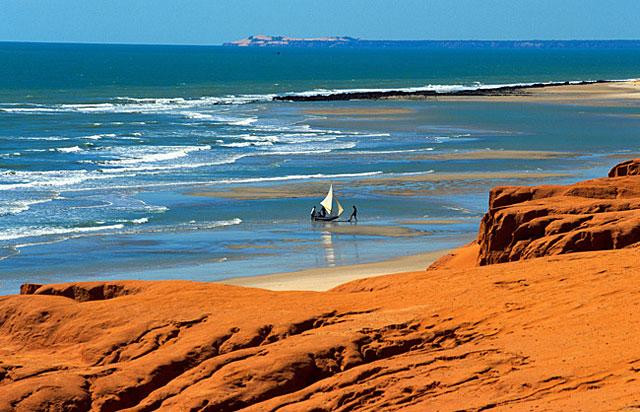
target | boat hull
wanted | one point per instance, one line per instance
(325, 219)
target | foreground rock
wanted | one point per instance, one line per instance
(553, 333)
(528, 222)
(628, 168)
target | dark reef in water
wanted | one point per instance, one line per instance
(509, 90)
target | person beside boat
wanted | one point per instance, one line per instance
(354, 214)
(313, 212)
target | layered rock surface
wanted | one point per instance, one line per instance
(628, 168)
(553, 333)
(527, 222)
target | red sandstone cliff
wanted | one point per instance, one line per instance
(527, 222)
(553, 333)
(628, 168)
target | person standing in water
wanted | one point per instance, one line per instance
(313, 212)
(354, 214)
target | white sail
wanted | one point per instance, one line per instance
(340, 209)
(328, 201)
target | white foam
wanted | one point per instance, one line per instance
(221, 223)
(140, 221)
(38, 109)
(98, 136)
(246, 144)
(149, 154)
(47, 138)
(198, 116)
(7, 155)
(18, 206)
(159, 105)
(244, 122)
(159, 169)
(24, 232)
(458, 209)
(48, 179)
(255, 138)
(73, 149)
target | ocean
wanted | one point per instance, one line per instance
(156, 162)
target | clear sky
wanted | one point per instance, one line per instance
(217, 21)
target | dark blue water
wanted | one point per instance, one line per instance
(103, 150)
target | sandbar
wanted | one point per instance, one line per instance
(318, 188)
(358, 111)
(495, 154)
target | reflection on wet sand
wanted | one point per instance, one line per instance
(329, 253)
(374, 230)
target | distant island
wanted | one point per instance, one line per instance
(352, 42)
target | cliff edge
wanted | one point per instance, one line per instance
(526, 222)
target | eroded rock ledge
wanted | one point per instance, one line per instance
(81, 292)
(528, 222)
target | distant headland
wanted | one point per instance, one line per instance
(352, 42)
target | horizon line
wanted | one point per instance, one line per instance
(356, 38)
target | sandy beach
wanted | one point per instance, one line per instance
(322, 279)
(623, 93)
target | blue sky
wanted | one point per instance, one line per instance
(216, 21)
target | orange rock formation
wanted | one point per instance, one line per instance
(552, 333)
(628, 168)
(527, 222)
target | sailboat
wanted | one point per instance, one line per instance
(334, 211)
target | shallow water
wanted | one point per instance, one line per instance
(98, 167)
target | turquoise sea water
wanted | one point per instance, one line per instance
(102, 148)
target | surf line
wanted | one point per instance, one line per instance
(427, 91)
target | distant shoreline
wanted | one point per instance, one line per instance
(353, 43)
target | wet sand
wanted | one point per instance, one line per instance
(434, 221)
(374, 230)
(443, 177)
(495, 154)
(279, 191)
(357, 111)
(318, 188)
(322, 279)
